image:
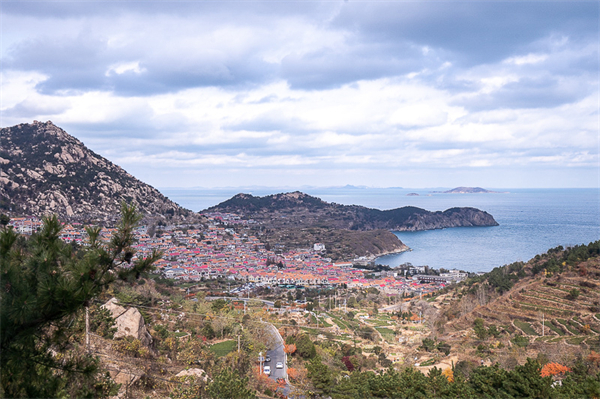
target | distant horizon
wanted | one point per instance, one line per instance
(349, 186)
(200, 199)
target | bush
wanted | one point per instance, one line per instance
(480, 329)
(444, 347)
(305, 347)
(428, 344)
(520, 341)
(573, 294)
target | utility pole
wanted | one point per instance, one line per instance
(261, 359)
(543, 324)
(87, 328)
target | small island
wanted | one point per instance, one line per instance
(468, 190)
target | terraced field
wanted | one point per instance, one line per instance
(532, 301)
(387, 334)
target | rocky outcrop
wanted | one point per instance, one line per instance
(196, 373)
(129, 322)
(454, 217)
(44, 170)
(126, 377)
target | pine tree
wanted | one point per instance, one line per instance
(44, 284)
(228, 384)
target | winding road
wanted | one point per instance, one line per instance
(277, 354)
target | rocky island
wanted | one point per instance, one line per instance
(468, 190)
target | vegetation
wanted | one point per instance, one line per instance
(480, 382)
(343, 358)
(45, 285)
(223, 348)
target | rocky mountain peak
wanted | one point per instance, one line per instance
(45, 170)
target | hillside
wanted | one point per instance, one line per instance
(554, 299)
(46, 170)
(298, 220)
(304, 210)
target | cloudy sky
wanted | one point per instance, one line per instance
(292, 93)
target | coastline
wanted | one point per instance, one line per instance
(371, 258)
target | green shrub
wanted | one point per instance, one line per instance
(520, 341)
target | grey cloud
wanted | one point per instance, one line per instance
(332, 68)
(170, 76)
(269, 122)
(29, 108)
(475, 32)
(543, 92)
(81, 64)
(241, 9)
(381, 40)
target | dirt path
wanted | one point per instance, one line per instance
(446, 363)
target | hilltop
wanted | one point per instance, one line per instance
(45, 170)
(297, 220)
(304, 210)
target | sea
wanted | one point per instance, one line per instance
(531, 221)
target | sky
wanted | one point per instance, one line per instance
(317, 93)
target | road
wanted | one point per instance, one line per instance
(240, 299)
(277, 354)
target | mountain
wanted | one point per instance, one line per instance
(297, 220)
(45, 170)
(304, 210)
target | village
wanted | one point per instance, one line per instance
(218, 251)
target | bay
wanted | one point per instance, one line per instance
(531, 221)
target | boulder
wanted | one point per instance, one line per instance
(114, 309)
(129, 322)
(198, 373)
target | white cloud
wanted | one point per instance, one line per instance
(527, 59)
(123, 67)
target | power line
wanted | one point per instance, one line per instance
(133, 373)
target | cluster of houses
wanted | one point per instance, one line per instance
(193, 254)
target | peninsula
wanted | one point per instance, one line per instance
(297, 219)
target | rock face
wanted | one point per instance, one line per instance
(45, 170)
(453, 217)
(129, 322)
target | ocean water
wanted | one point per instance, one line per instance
(531, 221)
